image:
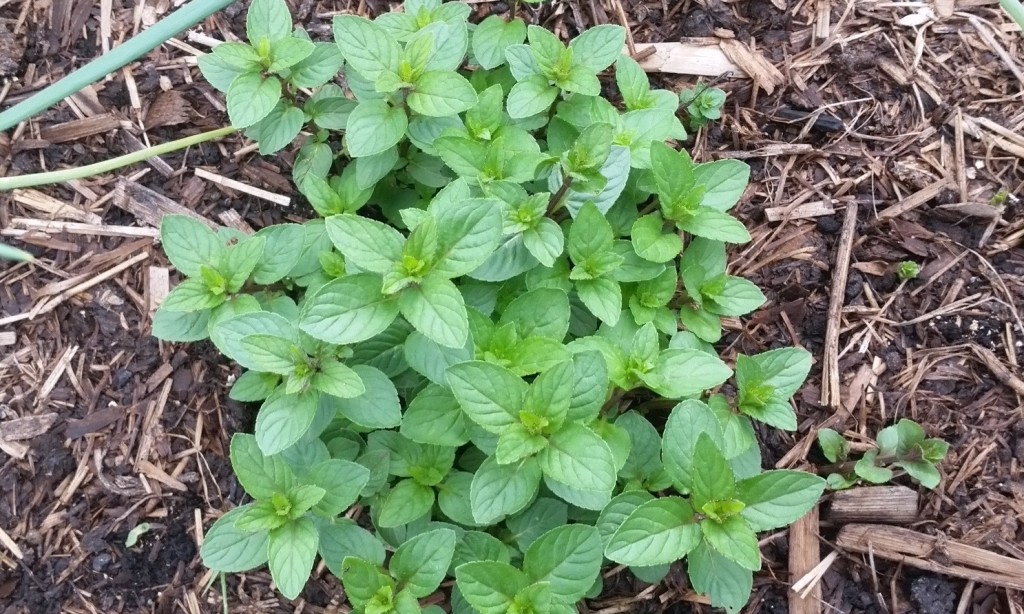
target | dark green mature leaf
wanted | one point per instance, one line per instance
(348, 310)
(230, 550)
(489, 586)
(660, 531)
(777, 498)
(568, 557)
(291, 550)
(261, 476)
(727, 583)
(500, 490)
(420, 564)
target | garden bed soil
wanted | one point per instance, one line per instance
(887, 108)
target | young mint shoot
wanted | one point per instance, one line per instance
(493, 346)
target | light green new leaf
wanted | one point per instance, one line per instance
(501, 490)
(420, 564)
(576, 456)
(660, 531)
(348, 310)
(441, 94)
(367, 47)
(735, 540)
(191, 295)
(568, 557)
(374, 127)
(292, 549)
(778, 498)
(490, 395)
(435, 307)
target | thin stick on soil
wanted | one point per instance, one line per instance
(830, 393)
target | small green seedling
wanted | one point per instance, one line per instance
(902, 446)
(511, 282)
(908, 270)
(703, 104)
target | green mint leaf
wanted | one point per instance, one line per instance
(576, 456)
(435, 307)
(227, 334)
(531, 96)
(900, 439)
(231, 550)
(660, 531)
(544, 515)
(288, 52)
(775, 499)
(672, 172)
(833, 445)
(516, 443)
(292, 548)
(342, 481)
(867, 469)
(546, 48)
(774, 412)
(454, 499)
(419, 565)
(240, 262)
(463, 155)
(278, 129)
(284, 419)
(785, 369)
(535, 354)
(492, 36)
(261, 476)
(488, 114)
(632, 82)
(441, 94)
(603, 297)
(281, 252)
(644, 459)
(343, 538)
(407, 501)
(330, 113)
(724, 182)
(364, 581)
(348, 310)
(190, 244)
(337, 379)
(267, 20)
(367, 47)
(614, 174)
(545, 241)
(501, 490)
(589, 235)
(713, 479)
(491, 395)
(590, 388)
(435, 417)
(378, 407)
(715, 225)
(542, 312)
(319, 67)
(706, 326)
(712, 574)
(521, 62)
(227, 61)
(373, 127)
(617, 510)
(924, 472)
(591, 149)
(251, 97)
(272, 354)
(617, 440)
(580, 80)
(192, 295)
(253, 386)
(568, 557)
(430, 359)
(401, 26)
(735, 540)
(651, 242)
(598, 47)
(368, 244)
(680, 373)
(468, 232)
(593, 500)
(489, 586)
(476, 546)
(679, 440)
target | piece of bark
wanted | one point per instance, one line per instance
(80, 128)
(884, 504)
(937, 554)
(28, 427)
(804, 556)
(700, 57)
(149, 206)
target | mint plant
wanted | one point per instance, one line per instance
(703, 104)
(902, 446)
(908, 270)
(493, 347)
